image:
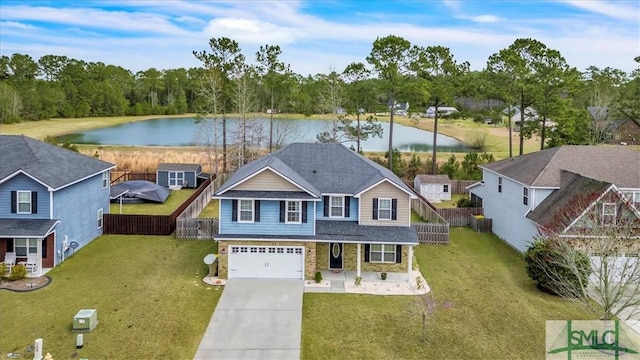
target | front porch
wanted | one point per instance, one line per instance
(371, 283)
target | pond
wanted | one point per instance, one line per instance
(187, 132)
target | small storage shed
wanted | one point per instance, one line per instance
(435, 188)
(173, 175)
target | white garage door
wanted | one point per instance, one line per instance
(269, 262)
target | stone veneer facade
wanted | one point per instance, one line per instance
(349, 257)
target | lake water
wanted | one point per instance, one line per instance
(182, 132)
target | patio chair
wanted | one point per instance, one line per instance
(9, 260)
(32, 263)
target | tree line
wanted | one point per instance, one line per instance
(525, 74)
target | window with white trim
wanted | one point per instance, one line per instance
(24, 246)
(499, 184)
(24, 202)
(99, 218)
(383, 253)
(105, 179)
(245, 211)
(609, 213)
(176, 178)
(525, 196)
(336, 208)
(294, 213)
(384, 209)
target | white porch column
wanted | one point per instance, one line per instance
(409, 261)
(358, 272)
(39, 253)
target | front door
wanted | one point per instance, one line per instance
(335, 256)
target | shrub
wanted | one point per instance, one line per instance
(464, 202)
(3, 269)
(318, 277)
(556, 268)
(18, 272)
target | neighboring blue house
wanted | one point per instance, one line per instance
(537, 192)
(311, 207)
(49, 198)
(178, 175)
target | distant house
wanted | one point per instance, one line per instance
(435, 188)
(530, 114)
(399, 108)
(52, 200)
(442, 111)
(621, 132)
(174, 175)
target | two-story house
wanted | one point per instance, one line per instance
(311, 207)
(50, 198)
(534, 192)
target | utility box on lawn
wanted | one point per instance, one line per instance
(85, 320)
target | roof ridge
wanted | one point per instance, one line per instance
(548, 164)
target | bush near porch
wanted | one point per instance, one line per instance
(493, 310)
(151, 304)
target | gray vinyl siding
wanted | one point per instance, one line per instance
(268, 181)
(76, 207)
(163, 178)
(23, 183)
(506, 210)
(388, 191)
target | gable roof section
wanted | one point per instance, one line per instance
(433, 179)
(51, 165)
(320, 168)
(613, 164)
(566, 204)
(178, 167)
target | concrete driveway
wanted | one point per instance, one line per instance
(255, 319)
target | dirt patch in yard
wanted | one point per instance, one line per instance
(27, 284)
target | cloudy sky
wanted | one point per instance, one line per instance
(316, 35)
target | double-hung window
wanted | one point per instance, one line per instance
(294, 213)
(525, 196)
(24, 202)
(176, 178)
(337, 206)
(609, 213)
(383, 253)
(105, 179)
(245, 211)
(22, 247)
(499, 184)
(99, 218)
(384, 209)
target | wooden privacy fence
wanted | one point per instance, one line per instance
(194, 228)
(459, 186)
(459, 216)
(480, 224)
(149, 224)
(432, 233)
(200, 202)
(122, 176)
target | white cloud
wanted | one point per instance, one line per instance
(15, 25)
(485, 18)
(250, 31)
(618, 10)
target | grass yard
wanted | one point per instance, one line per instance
(174, 200)
(211, 211)
(487, 308)
(150, 301)
(449, 203)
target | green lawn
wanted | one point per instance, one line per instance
(211, 211)
(174, 200)
(487, 308)
(150, 301)
(450, 203)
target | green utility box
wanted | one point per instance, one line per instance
(85, 320)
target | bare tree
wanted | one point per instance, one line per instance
(210, 91)
(608, 231)
(244, 100)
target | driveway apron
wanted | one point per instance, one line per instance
(255, 319)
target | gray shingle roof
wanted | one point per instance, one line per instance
(251, 194)
(178, 167)
(433, 179)
(321, 168)
(344, 231)
(25, 227)
(48, 163)
(618, 165)
(564, 205)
